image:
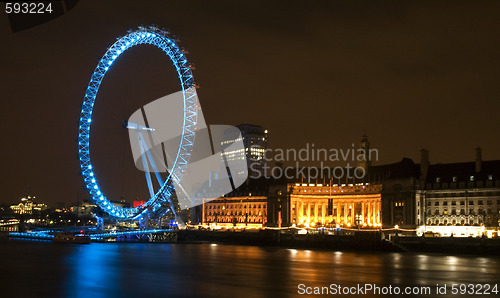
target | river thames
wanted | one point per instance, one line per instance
(46, 269)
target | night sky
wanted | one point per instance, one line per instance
(412, 75)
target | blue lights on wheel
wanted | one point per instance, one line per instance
(160, 39)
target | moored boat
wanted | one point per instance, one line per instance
(71, 238)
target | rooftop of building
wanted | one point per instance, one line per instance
(251, 129)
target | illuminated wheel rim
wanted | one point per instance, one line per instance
(162, 40)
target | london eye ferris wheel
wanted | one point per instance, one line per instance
(162, 195)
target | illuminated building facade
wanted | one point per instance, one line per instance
(239, 212)
(457, 198)
(460, 207)
(27, 206)
(335, 205)
(255, 141)
(385, 197)
(459, 194)
(244, 207)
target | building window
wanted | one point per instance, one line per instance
(462, 203)
(453, 203)
(454, 178)
(445, 203)
(471, 203)
(438, 179)
(436, 203)
(489, 202)
(480, 202)
(471, 178)
(490, 177)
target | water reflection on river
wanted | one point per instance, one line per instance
(32, 269)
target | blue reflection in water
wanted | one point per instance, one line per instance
(117, 270)
(37, 269)
(95, 271)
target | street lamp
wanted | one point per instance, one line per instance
(467, 207)
(359, 218)
(223, 213)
